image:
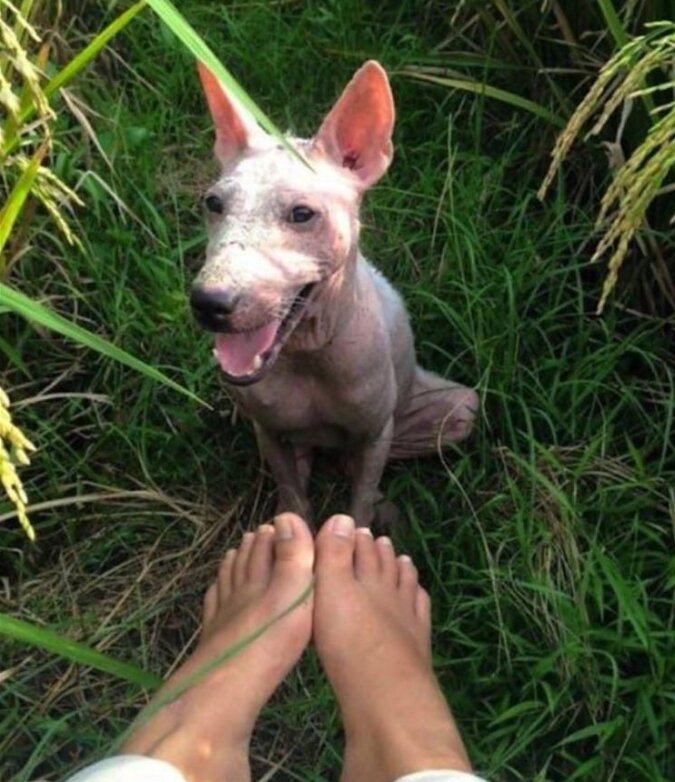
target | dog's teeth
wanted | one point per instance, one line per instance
(257, 362)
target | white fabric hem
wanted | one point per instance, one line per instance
(138, 768)
(440, 775)
(129, 768)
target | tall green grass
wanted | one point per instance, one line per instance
(546, 542)
(26, 123)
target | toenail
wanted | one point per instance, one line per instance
(248, 538)
(265, 528)
(406, 559)
(364, 531)
(385, 541)
(342, 526)
(283, 527)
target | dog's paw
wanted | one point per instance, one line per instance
(386, 518)
(300, 508)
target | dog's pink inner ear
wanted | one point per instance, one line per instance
(233, 129)
(356, 134)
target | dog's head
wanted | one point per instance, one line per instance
(278, 230)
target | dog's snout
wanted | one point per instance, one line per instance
(213, 306)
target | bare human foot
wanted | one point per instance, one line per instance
(206, 732)
(372, 631)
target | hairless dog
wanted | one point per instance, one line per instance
(314, 342)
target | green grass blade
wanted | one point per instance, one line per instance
(33, 310)
(180, 27)
(17, 198)
(14, 356)
(76, 652)
(613, 22)
(491, 92)
(629, 607)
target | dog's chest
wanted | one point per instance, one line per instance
(308, 405)
(283, 400)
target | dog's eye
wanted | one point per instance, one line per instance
(300, 214)
(214, 203)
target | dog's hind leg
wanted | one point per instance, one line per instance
(438, 412)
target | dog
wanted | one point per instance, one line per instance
(314, 343)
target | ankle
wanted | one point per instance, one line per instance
(201, 757)
(396, 749)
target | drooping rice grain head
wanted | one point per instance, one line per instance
(628, 83)
(633, 189)
(14, 449)
(21, 20)
(31, 76)
(8, 97)
(632, 173)
(583, 112)
(55, 196)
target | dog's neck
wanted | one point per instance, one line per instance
(331, 308)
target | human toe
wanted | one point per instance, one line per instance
(388, 564)
(335, 545)
(366, 558)
(293, 553)
(407, 581)
(259, 566)
(240, 566)
(225, 581)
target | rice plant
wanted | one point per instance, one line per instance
(22, 94)
(638, 180)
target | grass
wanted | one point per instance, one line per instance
(546, 541)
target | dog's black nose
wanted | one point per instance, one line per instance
(213, 306)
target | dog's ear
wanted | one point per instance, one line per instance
(235, 129)
(356, 134)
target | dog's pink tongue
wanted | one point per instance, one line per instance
(237, 353)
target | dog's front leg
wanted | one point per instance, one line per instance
(282, 462)
(368, 465)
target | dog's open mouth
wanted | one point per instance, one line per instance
(245, 356)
